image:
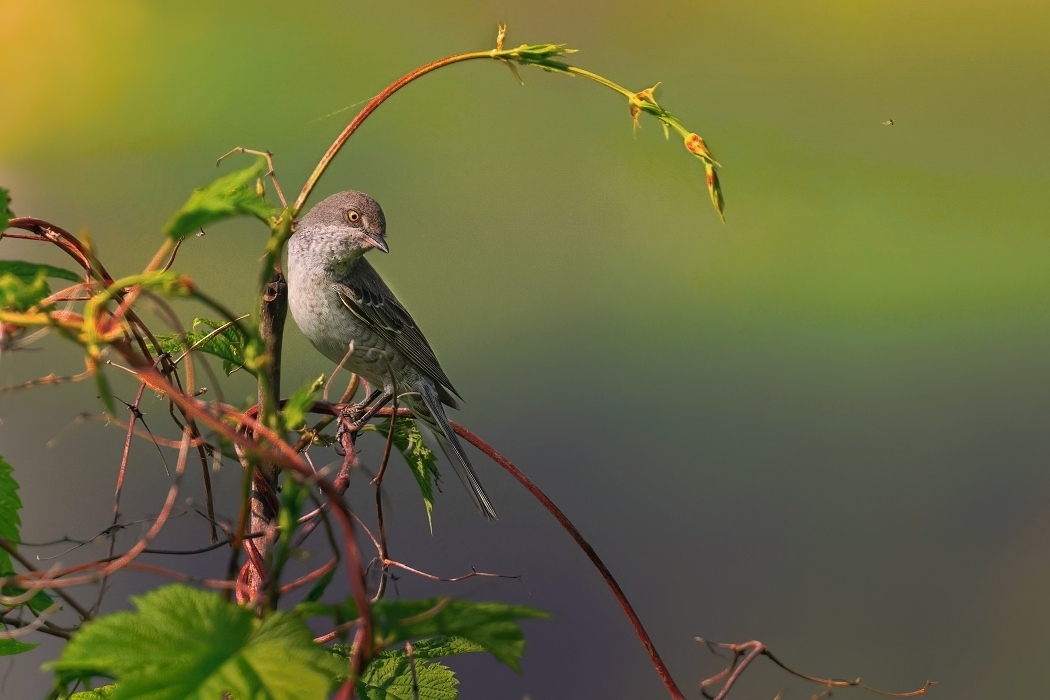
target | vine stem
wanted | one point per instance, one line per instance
(330, 154)
(628, 609)
(563, 520)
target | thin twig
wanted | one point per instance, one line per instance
(17, 556)
(50, 380)
(269, 161)
(621, 597)
(42, 627)
(753, 649)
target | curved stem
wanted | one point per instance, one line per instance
(368, 109)
(563, 520)
(628, 609)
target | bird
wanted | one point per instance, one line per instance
(348, 313)
(888, 122)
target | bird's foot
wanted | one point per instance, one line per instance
(349, 421)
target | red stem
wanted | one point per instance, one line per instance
(326, 159)
(654, 656)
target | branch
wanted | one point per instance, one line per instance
(13, 551)
(753, 649)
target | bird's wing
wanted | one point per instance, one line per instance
(366, 296)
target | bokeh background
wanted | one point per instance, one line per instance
(822, 424)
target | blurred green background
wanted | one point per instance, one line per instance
(822, 424)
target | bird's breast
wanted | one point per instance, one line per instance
(331, 328)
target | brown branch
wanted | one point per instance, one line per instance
(42, 628)
(455, 579)
(337, 632)
(280, 453)
(753, 649)
(75, 248)
(56, 580)
(49, 380)
(378, 483)
(179, 576)
(312, 576)
(17, 556)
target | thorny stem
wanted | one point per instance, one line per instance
(133, 409)
(49, 581)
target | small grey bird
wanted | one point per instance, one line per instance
(338, 299)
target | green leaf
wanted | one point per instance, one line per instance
(542, 55)
(5, 208)
(24, 284)
(492, 626)
(10, 530)
(40, 601)
(17, 294)
(389, 677)
(27, 271)
(429, 648)
(420, 458)
(437, 647)
(5, 211)
(299, 402)
(186, 644)
(103, 693)
(318, 589)
(10, 647)
(10, 521)
(228, 344)
(231, 195)
(714, 187)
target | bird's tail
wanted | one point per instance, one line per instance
(450, 445)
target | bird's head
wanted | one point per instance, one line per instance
(351, 223)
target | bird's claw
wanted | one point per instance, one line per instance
(349, 417)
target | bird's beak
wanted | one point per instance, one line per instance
(377, 242)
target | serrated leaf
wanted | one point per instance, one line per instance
(10, 647)
(27, 271)
(445, 645)
(428, 648)
(389, 677)
(491, 626)
(10, 530)
(228, 344)
(231, 195)
(5, 211)
(10, 521)
(299, 402)
(103, 693)
(420, 458)
(186, 644)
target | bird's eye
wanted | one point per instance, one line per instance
(353, 217)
